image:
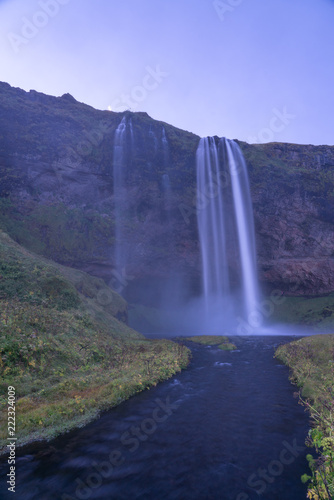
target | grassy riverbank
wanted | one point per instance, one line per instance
(311, 361)
(220, 341)
(63, 349)
(314, 312)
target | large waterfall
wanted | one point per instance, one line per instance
(211, 224)
(226, 231)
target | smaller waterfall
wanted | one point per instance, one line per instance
(123, 144)
(165, 147)
(154, 140)
(118, 174)
(132, 137)
(166, 183)
(167, 191)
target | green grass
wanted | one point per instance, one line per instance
(317, 312)
(311, 361)
(56, 231)
(64, 350)
(27, 277)
(220, 341)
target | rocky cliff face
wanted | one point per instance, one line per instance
(293, 196)
(56, 189)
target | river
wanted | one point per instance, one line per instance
(228, 427)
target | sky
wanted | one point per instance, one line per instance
(253, 70)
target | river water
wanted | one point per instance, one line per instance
(226, 428)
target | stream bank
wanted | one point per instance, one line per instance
(228, 427)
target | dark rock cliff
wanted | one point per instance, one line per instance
(56, 189)
(293, 196)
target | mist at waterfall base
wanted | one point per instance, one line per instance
(225, 316)
(229, 300)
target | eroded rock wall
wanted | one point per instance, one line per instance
(56, 189)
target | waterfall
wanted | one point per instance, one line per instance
(165, 148)
(132, 144)
(211, 223)
(244, 221)
(222, 177)
(122, 139)
(154, 140)
(166, 183)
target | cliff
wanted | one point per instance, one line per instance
(63, 351)
(293, 197)
(56, 188)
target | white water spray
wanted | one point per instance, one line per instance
(214, 217)
(123, 145)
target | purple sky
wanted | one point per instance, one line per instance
(255, 70)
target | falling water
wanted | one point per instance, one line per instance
(166, 183)
(123, 138)
(165, 148)
(214, 217)
(154, 140)
(132, 137)
(244, 221)
(211, 224)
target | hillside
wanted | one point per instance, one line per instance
(310, 360)
(56, 198)
(63, 348)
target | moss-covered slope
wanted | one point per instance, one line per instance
(311, 360)
(57, 198)
(63, 349)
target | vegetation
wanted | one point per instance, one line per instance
(56, 231)
(277, 175)
(220, 341)
(317, 312)
(311, 360)
(63, 349)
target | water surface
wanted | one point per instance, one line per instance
(226, 428)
